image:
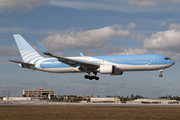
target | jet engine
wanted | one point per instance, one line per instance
(110, 69)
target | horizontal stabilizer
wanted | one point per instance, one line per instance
(21, 62)
(24, 64)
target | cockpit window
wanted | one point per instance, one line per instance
(167, 58)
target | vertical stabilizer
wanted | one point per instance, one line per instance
(28, 54)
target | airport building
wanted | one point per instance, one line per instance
(73, 98)
(40, 94)
(16, 98)
(153, 101)
(105, 100)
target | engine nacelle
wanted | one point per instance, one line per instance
(110, 69)
(106, 69)
(117, 71)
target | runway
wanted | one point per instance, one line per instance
(90, 104)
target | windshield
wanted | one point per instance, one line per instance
(167, 58)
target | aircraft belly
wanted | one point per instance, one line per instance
(141, 67)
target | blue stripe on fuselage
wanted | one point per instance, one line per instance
(53, 63)
(149, 59)
(134, 59)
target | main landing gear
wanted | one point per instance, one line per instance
(161, 71)
(91, 77)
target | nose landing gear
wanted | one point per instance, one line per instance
(160, 75)
(91, 77)
(161, 71)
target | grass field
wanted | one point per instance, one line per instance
(88, 113)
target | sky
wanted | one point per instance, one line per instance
(93, 27)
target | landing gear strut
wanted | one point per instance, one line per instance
(161, 71)
(91, 77)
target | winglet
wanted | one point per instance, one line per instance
(42, 49)
(81, 54)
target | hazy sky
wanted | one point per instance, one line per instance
(94, 27)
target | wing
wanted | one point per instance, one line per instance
(74, 63)
(81, 54)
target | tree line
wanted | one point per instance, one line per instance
(75, 98)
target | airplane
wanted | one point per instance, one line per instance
(113, 65)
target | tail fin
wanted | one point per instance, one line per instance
(28, 54)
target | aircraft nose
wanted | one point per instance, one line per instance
(172, 62)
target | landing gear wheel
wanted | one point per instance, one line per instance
(160, 75)
(86, 76)
(96, 78)
(90, 78)
(161, 71)
(93, 77)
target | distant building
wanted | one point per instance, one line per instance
(39, 94)
(16, 98)
(153, 101)
(73, 98)
(105, 100)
